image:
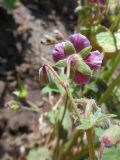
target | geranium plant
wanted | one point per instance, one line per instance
(77, 60)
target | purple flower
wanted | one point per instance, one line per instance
(58, 52)
(92, 61)
(79, 41)
(80, 78)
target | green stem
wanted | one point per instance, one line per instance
(64, 112)
(30, 109)
(109, 73)
(115, 25)
(90, 140)
(109, 90)
(56, 75)
(73, 103)
(68, 145)
(89, 132)
(65, 86)
(68, 94)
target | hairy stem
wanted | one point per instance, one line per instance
(89, 132)
(90, 140)
(56, 75)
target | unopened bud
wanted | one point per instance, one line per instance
(13, 105)
(58, 35)
(45, 75)
(111, 136)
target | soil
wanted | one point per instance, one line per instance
(21, 55)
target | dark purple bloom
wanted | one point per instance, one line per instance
(92, 61)
(80, 78)
(79, 41)
(58, 52)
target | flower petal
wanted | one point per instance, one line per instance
(81, 78)
(79, 41)
(58, 52)
(94, 59)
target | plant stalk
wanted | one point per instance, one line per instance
(90, 140)
(56, 75)
(109, 90)
(73, 103)
(115, 63)
(89, 132)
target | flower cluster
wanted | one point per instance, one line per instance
(82, 65)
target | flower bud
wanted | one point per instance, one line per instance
(13, 105)
(111, 136)
(45, 75)
(58, 35)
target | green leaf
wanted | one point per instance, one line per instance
(108, 42)
(99, 131)
(85, 124)
(9, 4)
(112, 153)
(69, 48)
(53, 87)
(84, 52)
(104, 117)
(42, 153)
(61, 63)
(96, 115)
(83, 68)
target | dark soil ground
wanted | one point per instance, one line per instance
(21, 55)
